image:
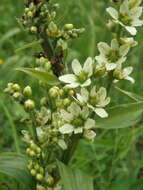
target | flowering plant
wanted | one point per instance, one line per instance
(72, 105)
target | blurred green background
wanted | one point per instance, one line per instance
(115, 159)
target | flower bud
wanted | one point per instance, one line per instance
(32, 153)
(71, 93)
(33, 29)
(44, 101)
(54, 92)
(68, 26)
(10, 85)
(37, 167)
(26, 9)
(42, 60)
(39, 177)
(50, 180)
(29, 104)
(30, 14)
(33, 172)
(48, 65)
(15, 87)
(66, 101)
(40, 187)
(27, 91)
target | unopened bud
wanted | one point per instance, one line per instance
(68, 26)
(16, 95)
(33, 172)
(27, 91)
(33, 29)
(39, 177)
(29, 104)
(16, 87)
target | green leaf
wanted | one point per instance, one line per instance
(29, 45)
(74, 179)
(15, 166)
(131, 95)
(121, 116)
(51, 79)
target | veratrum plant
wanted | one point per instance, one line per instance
(73, 104)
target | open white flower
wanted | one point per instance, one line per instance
(76, 120)
(128, 15)
(110, 57)
(123, 74)
(95, 100)
(81, 76)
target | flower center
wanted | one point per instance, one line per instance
(82, 76)
(113, 56)
(126, 19)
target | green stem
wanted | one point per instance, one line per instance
(13, 127)
(71, 148)
(110, 81)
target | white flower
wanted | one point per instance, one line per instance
(95, 100)
(81, 76)
(123, 74)
(110, 57)
(76, 120)
(128, 15)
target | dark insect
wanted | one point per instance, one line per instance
(57, 64)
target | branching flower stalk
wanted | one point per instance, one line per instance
(73, 100)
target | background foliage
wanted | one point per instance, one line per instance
(114, 160)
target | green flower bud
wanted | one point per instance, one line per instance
(10, 85)
(42, 60)
(15, 87)
(48, 65)
(30, 14)
(26, 10)
(68, 26)
(40, 187)
(54, 92)
(50, 180)
(37, 167)
(38, 150)
(33, 172)
(61, 92)
(33, 146)
(44, 101)
(28, 150)
(41, 170)
(66, 101)
(33, 29)
(32, 153)
(71, 93)
(29, 104)
(27, 91)
(39, 177)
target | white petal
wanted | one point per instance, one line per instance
(89, 124)
(110, 66)
(101, 112)
(102, 93)
(76, 66)
(130, 79)
(88, 68)
(124, 8)
(86, 83)
(66, 129)
(100, 59)
(62, 144)
(66, 116)
(120, 61)
(78, 130)
(80, 98)
(124, 49)
(127, 70)
(131, 30)
(114, 44)
(85, 112)
(113, 12)
(85, 94)
(73, 85)
(103, 48)
(74, 109)
(137, 22)
(69, 78)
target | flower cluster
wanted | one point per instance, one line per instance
(70, 108)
